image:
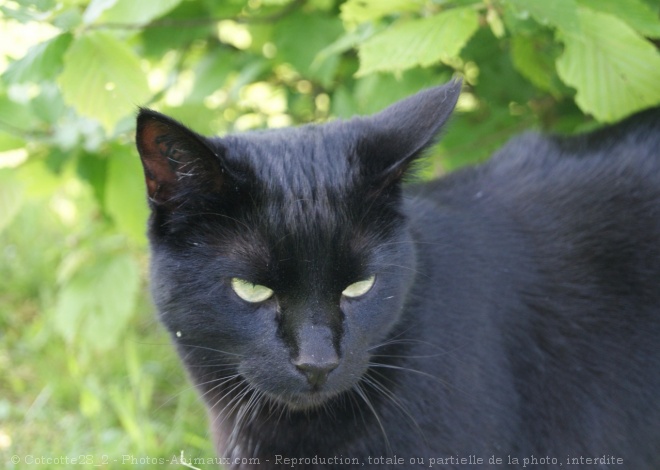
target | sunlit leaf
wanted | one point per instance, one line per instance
(37, 179)
(136, 12)
(197, 116)
(102, 78)
(16, 117)
(495, 22)
(422, 42)
(48, 105)
(95, 304)
(359, 11)
(614, 70)
(637, 14)
(96, 9)
(42, 62)
(561, 14)
(11, 197)
(38, 4)
(22, 13)
(68, 18)
(10, 142)
(125, 193)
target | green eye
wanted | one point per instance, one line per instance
(250, 292)
(359, 288)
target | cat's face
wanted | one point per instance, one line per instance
(281, 259)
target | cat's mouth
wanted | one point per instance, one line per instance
(305, 400)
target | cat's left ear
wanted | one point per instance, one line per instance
(394, 137)
(176, 160)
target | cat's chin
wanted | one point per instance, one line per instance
(304, 401)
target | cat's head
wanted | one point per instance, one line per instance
(281, 258)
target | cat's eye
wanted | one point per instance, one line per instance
(359, 288)
(249, 292)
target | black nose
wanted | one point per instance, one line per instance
(316, 372)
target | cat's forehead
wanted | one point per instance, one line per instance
(299, 161)
(307, 182)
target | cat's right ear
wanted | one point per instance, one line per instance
(393, 138)
(176, 160)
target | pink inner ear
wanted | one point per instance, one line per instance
(175, 158)
(158, 169)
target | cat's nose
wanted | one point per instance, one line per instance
(316, 356)
(316, 371)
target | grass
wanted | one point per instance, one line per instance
(130, 405)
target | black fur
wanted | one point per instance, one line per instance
(515, 313)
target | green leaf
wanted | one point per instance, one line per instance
(48, 105)
(11, 197)
(197, 116)
(22, 13)
(183, 28)
(495, 126)
(249, 72)
(354, 12)
(16, 116)
(533, 59)
(136, 12)
(42, 5)
(10, 142)
(96, 9)
(377, 91)
(561, 14)
(497, 94)
(42, 62)
(614, 70)
(637, 14)
(95, 304)
(102, 78)
(318, 31)
(37, 179)
(94, 169)
(419, 42)
(67, 19)
(57, 159)
(343, 103)
(346, 42)
(223, 9)
(125, 193)
(495, 22)
(211, 74)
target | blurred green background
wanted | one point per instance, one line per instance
(85, 369)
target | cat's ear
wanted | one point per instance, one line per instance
(176, 160)
(394, 137)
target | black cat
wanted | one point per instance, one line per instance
(505, 315)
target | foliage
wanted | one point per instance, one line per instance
(88, 371)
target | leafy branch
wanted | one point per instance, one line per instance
(195, 22)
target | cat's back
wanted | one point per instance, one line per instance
(534, 168)
(558, 245)
(578, 208)
(596, 189)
